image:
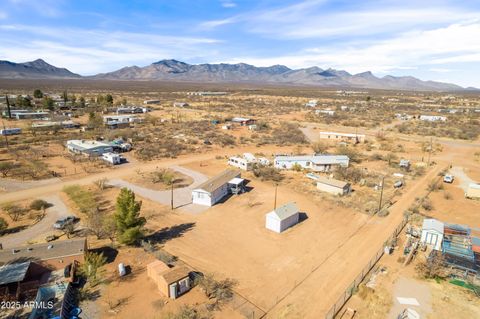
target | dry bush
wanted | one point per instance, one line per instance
(266, 173)
(447, 195)
(432, 267)
(427, 204)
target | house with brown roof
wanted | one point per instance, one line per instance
(53, 255)
(333, 186)
(215, 189)
(172, 282)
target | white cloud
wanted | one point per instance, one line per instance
(93, 51)
(228, 4)
(453, 44)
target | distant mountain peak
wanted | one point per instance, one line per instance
(174, 70)
(37, 69)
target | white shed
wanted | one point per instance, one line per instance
(282, 217)
(333, 186)
(213, 190)
(432, 233)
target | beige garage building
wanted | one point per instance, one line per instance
(172, 282)
(333, 186)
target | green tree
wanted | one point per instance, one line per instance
(48, 103)
(81, 101)
(94, 121)
(91, 267)
(39, 204)
(127, 217)
(109, 99)
(38, 94)
(3, 224)
(22, 101)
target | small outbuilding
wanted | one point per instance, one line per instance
(432, 233)
(172, 282)
(215, 189)
(333, 186)
(473, 191)
(282, 217)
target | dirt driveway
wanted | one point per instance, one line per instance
(44, 226)
(463, 178)
(182, 197)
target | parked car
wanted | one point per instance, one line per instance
(448, 178)
(63, 222)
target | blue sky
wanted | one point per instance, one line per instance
(430, 39)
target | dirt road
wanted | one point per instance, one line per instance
(182, 196)
(53, 213)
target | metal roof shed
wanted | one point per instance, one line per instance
(282, 217)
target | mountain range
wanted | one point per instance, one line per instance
(177, 71)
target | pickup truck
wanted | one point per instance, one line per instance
(448, 178)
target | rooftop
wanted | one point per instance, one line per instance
(285, 211)
(11, 273)
(317, 159)
(219, 180)
(342, 134)
(87, 144)
(432, 224)
(331, 182)
(44, 251)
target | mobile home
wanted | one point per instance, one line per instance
(316, 163)
(215, 189)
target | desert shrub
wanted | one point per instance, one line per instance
(432, 267)
(267, 173)
(297, 167)
(319, 147)
(352, 153)
(288, 134)
(164, 176)
(14, 211)
(447, 195)
(3, 224)
(427, 204)
(434, 186)
(39, 204)
(351, 174)
(219, 289)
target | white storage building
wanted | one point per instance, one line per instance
(282, 217)
(316, 163)
(213, 190)
(333, 186)
(432, 233)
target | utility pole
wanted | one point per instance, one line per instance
(381, 194)
(8, 107)
(430, 151)
(275, 200)
(171, 198)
